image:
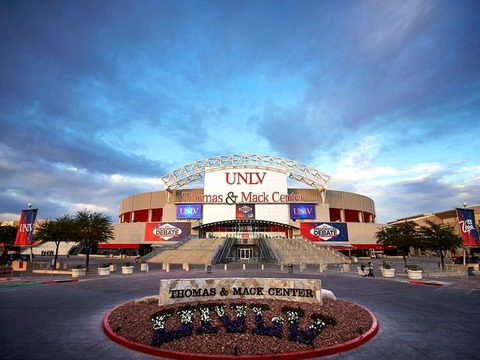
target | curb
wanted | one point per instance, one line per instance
(29, 283)
(60, 281)
(415, 282)
(319, 352)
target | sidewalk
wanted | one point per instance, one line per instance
(29, 277)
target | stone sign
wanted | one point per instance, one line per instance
(191, 290)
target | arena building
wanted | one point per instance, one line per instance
(245, 197)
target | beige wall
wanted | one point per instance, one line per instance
(347, 200)
(358, 233)
(363, 233)
(129, 233)
(335, 199)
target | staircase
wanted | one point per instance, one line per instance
(302, 251)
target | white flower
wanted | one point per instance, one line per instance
(204, 314)
(220, 310)
(277, 319)
(159, 321)
(185, 316)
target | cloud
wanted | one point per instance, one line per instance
(98, 100)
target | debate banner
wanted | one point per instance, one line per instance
(245, 212)
(326, 231)
(167, 231)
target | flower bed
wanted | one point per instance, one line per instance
(241, 328)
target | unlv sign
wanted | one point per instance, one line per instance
(243, 186)
(246, 178)
(302, 211)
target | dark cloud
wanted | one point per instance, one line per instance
(90, 89)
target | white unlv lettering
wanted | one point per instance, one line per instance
(188, 211)
(249, 178)
(26, 227)
(467, 226)
(299, 211)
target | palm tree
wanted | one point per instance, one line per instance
(62, 229)
(402, 235)
(440, 238)
(92, 229)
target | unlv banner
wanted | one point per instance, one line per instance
(302, 211)
(327, 231)
(25, 228)
(468, 230)
(189, 211)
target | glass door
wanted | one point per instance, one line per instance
(245, 253)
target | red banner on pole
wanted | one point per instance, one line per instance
(468, 230)
(25, 228)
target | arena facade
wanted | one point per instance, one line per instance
(245, 197)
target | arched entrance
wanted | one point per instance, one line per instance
(245, 237)
(244, 229)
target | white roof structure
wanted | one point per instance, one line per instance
(194, 171)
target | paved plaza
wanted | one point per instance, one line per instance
(46, 316)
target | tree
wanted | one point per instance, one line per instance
(402, 235)
(8, 233)
(62, 229)
(92, 229)
(440, 238)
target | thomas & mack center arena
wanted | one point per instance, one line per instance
(245, 208)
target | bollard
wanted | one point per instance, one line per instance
(225, 267)
(470, 271)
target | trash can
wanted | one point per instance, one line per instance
(470, 271)
(290, 268)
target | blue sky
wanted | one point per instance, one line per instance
(98, 99)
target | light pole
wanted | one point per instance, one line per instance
(465, 204)
(29, 205)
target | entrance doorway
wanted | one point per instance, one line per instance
(244, 253)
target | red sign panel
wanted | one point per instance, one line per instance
(245, 212)
(167, 231)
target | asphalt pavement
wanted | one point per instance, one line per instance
(54, 316)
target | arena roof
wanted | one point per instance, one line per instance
(295, 170)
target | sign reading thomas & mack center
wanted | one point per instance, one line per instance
(192, 290)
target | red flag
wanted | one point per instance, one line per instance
(25, 228)
(468, 230)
